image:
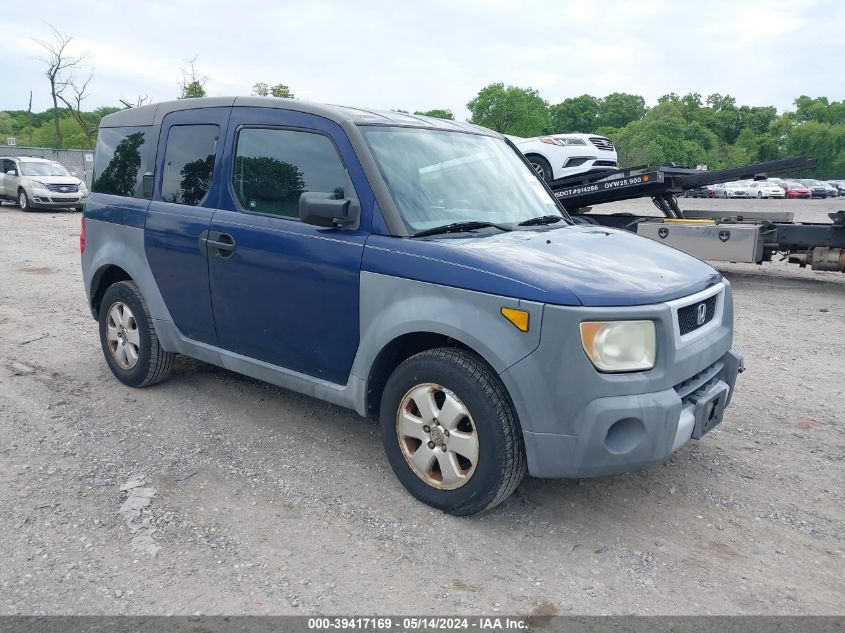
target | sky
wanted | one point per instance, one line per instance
(437, 54)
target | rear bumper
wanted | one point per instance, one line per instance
(624, 433)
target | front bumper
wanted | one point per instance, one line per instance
(578, 422)
(624, 433)
(56, 201)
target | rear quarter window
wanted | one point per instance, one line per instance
(122, 157)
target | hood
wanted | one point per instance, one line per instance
(56, 180)
(572, 265)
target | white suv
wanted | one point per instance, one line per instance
(39, 183)
(559, 155)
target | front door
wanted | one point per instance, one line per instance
(186, 192)
(285, 292)
(9, 182)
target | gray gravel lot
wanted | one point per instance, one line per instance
(265, 501)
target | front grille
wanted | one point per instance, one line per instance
(602, 143)
(63, 188)
(688, 319)
(696, 382)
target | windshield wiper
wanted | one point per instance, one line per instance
(543, 219)
(460, 227)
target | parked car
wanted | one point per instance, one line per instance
(38, 183)
(698, 192)
(730, 190)
(410, 268)
(561, 155)
(764, 189)
(817, 188)
(832, 190)
(794, 189)
(839, 185)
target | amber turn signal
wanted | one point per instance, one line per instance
(518, 317)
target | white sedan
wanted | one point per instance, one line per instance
(764, 189)
(559, 155)
(730, 190)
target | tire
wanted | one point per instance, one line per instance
(23, 201)
(541, 166)
(124, 317)
(759, 195)
(464, 488)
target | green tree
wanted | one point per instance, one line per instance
(438, 113)
(193, 81)
(619, 109)
(511, 110)
(575, 114)
(261, 89)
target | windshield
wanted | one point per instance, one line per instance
(43, 169)
(438, 177)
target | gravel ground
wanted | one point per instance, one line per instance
(257, 500)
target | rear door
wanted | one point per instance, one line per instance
(185, 195)
(286, 292)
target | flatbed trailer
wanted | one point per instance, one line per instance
(732, 236)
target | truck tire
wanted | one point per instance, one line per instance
(541, 166)
(450, 432)
(129, 341)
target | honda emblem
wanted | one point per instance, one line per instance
(701, 314)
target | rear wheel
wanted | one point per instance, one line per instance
(760, 194)
(129, 341)
(450, 432)
(541, 166)
(23, 201)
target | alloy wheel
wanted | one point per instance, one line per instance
(437, 436)
(122, 335)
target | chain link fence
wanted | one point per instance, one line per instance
(80, 162)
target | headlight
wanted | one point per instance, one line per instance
(570, 141)
(39, 185)
(615, 346)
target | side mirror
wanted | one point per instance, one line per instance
(147, 186)
(11, 172)
(326, 209)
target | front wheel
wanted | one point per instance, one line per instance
(23, 201)
(760, 195)
(450, 432)
(129, 341)
(541, 166)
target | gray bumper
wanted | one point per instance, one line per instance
(578, 422)
(624, 433)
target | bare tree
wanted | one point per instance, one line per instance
(29, 119)
(139, 101)
(75, 106)
(59, 62)
(193, 82)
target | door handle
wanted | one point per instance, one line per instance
(220, 244)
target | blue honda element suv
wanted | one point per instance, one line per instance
(413, 269)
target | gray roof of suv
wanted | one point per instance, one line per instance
(154, 113)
